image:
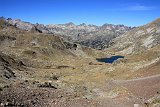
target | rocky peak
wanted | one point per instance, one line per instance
(115, 27)
(21, 24)
(82, 24)
(4, 23)
(69, 24)
(91, 25)
(2, 18)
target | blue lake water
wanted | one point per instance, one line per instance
(109, 60)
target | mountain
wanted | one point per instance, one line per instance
(41, 68)
(139, 39)
(93, 36)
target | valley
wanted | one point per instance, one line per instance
(40, 66)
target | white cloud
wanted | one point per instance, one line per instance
(139, 7)
(133, 7)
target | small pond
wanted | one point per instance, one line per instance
(109, 60)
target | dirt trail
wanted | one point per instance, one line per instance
(142, 87)
(130, 92)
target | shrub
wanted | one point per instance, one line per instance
(47, 85)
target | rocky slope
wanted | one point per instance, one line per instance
(89, 35)
(139, 39)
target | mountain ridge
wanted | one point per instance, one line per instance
(97, 37)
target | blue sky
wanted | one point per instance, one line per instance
(98, 12)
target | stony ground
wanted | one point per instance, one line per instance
(124, 93)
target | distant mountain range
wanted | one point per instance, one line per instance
(93, 36)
